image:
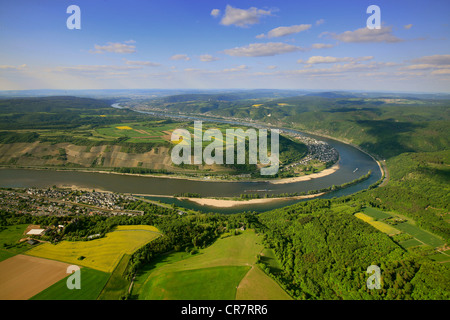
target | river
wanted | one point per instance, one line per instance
(350, 159)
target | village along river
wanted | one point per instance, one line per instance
(353, 164)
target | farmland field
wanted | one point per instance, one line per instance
(117, 285)
(268, 258)
(9, 241)
(376, 214)
(383, 227)
(92, 282)
(223, 265)
(441, 257)
(215, 283)
(22, 277)
(420, 234)
(410, 243)
(256, 285)
(102, 254)
(137, 131)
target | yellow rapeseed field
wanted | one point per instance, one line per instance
(102, 254)
(124, 128)
(383, 227)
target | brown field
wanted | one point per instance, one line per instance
(256, 285)
(22, 277)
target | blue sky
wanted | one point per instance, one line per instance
(206, 44)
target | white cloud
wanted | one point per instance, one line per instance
(422, 66)
(215, 12)
(208, 58)
(441, 71)
(115, 47)
(12, 68)
(408, 26)
(284, 31)
(238, 68)
(319, 22)
(271, 67)
(180, 57)
(366, 35)
(95, 68)
(321, 45)
(437, 59)
(142, 63)
(338, 69)
(243, 17)
(438, 64)
(328, 59)
(262, 49)
(96, 71)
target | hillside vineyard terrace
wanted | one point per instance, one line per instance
(213, 152)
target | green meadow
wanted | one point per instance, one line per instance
(92, 282)
(420, 234)
(376, 214)
(215, 272)
(9, 241)
(117, 285)
(410, 243)
(269, 259)
(215, 283)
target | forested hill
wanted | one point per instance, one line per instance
(325, 252)
(56, 112)
(51, 104)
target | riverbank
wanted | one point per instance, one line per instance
(225, 203)
(218, 203)
(320, 174)
(381, 165)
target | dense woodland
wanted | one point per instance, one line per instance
(325, 252)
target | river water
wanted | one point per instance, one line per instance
(350, 159)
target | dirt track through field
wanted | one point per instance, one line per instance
(22, 277)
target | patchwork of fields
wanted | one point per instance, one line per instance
(417, 236)
(101, 254)
(40, 273)
(92, 282)
(383, 227)
(138, 132)
(224, 270)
